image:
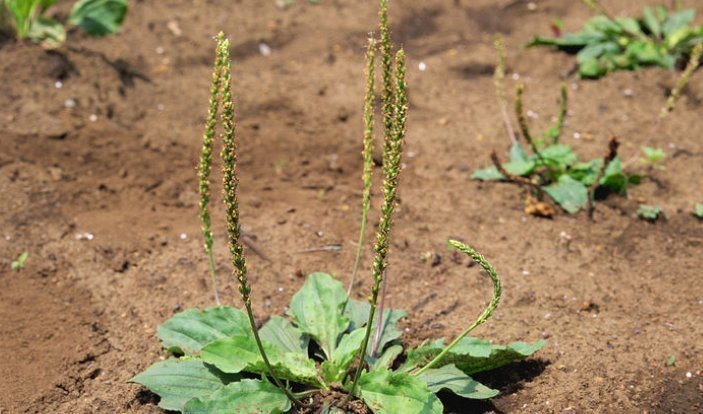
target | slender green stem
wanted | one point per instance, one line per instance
(213, 275)
(499, 82)
(367, 155)
(522, 121)
(693, 63)
(231, 183)
(497, 291)
(563, 111)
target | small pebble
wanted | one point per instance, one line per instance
(532, 6)
(525, 273)
(69, 103)
(577, 135)
(85, 236)
(689, 374)
(516, 76)
(628, 92)
(58, 85)
(422, 66)
(183, 236)
(264, 49)
(160, 50)
(93, 118)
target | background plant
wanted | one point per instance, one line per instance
(318, 358)
(29, 19)
(18, 264)
(660, 37)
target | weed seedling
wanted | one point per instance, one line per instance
(649, 213)
(659, 37)
(318, 359)
(698, 211)
(18, 264)
(29, 19)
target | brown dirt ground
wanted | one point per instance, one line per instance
(616, 301)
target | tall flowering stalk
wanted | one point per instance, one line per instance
(367, 155)
(394, 112)
(231, 182)
(205, 166)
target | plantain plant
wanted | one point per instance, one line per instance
(29, 19)
(317, 358)
(660, 37)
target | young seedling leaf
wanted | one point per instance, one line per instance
(649, 213)
(387, 392)
(244, 397)
(187, 332)
(358, 314)
(177, 382)
(570, 194)
(451, 378)
(653, 155)
(47, 31)
(698, 211)
(19, 263)
(98, 17)
(517, 153)
(671, 361)
(316, 309)
(240, 353)
(586, 172)
(335, 368)
(472, 355)
(614, 178)
(385, 361)
(560, 155)
(280, 333)
(519, 168)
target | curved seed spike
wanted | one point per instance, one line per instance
(231, 182)
(205, 165)
(522, 121)
(367, 155)
(497, 291)
(693, 62)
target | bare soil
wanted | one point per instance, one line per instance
(111, 154)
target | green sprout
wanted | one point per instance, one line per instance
(18, 264)
(653, 157)
(605, 43)
(29, 19)
(223, 362)
(698, 211)
(649, 213)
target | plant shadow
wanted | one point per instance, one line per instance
(508, 380)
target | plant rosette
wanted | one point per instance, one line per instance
(217, 368)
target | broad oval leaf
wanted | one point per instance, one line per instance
(471, 355)
(48, 31)
(358, 313)
(98, 17)
(177, 382)
(451, 378)
(280, 333)
(570, 194)
(187, 332)
(317, 310)
(244, 397)
(342, 357)
(240, 353)
(387, 392)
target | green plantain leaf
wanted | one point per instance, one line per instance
(280, 333)
(385, 361)
(244, 397)
(471, 355)
(347, 349)
(521, 168)
(517, 153)
(614, 178)
(187, 332)
(47, 31)
(98, 17)
(240, 353)
(317, 310)
(177, 382)
(387, 392)
(586, 172)
(678, 21)
(570, 194)
(358, 313)
(451, 378)
(652, 22)
(560, 155)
